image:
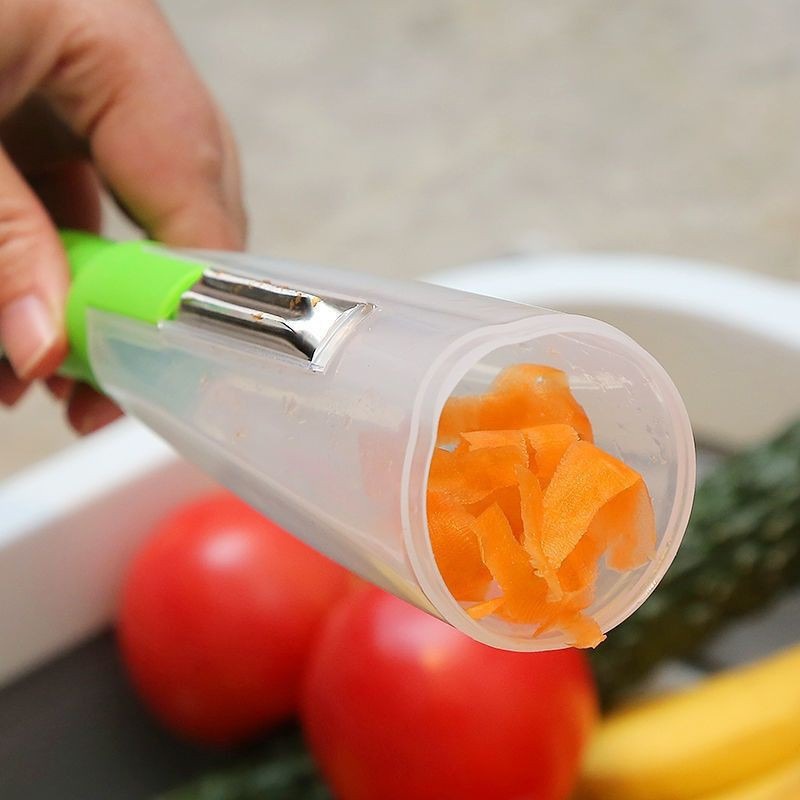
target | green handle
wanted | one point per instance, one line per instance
(140, 280)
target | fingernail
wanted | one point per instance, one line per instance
(28, 333)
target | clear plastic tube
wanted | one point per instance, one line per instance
(338, 452)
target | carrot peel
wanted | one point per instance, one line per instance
(523, 507)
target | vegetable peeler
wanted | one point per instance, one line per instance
(315, 395)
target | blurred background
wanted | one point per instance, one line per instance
(402, 138)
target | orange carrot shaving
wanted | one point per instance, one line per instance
(522, 396)
(456, 549)
(510, 566)
(549, 378)
(585, 632)
(560, 613)
(525, 505)
(459, 414)
(579, 568)
(508, 498)
(532, 510)
(548, 444)
(628, 525)
(543, 396)
(470, 475)
(485, 608)
(585, 480)
(479, 440)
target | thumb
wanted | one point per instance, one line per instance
(33, 279)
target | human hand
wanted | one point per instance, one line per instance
(96, 94)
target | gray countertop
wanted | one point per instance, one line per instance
(74, 730)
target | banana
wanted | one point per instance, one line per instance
(783, 784)
(727, 730)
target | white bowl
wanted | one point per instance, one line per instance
(730, 340)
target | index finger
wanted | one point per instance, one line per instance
(123, 82)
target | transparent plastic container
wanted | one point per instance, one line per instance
(338, 452)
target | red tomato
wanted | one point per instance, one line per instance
(398, 705)
(218, 613)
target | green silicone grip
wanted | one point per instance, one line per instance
(140, 280)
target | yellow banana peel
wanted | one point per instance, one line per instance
(782, 784)
(730, 729)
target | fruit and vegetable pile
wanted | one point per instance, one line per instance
(234, 632)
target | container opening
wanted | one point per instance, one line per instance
(637, 417)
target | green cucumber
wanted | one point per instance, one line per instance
(741, 552)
